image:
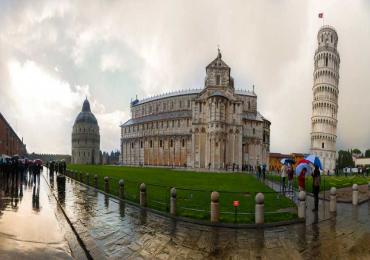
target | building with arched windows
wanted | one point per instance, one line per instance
(325, 98)
(215, 127)
(85, 137)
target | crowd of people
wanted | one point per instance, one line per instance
(287, 172)
(12, 166)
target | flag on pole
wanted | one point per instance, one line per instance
(321, 15)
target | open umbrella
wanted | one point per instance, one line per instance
(315, 160)
(287, 161)
(301, 166)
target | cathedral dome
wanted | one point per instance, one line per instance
(85, 116)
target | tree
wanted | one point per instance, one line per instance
(356, 151)
(367, 153)
(345, 159)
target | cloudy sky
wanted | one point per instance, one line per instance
(54, 53)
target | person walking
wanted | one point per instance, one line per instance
(283, 175)
(264, 172)
(316, 187)
(290, 178)
(259, 172)
(302, 180)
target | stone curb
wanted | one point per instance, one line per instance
(79, 239)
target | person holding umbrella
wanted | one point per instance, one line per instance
(303, 169)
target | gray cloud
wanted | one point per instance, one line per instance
(118, 49)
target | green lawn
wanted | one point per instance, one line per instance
(326, 181)
(194, 190)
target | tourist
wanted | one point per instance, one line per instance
(283, 175)
(290, 178)
(259, 172)
(302, 180)
(316, 187)
(264, 172)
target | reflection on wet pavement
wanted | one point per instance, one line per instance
(29, 227)
(114, 229)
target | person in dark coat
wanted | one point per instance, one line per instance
(316, 187)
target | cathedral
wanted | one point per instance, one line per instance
(216, 127)
(85, 137)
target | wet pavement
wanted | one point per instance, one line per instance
(113, 229)
(31, 225)
(116, 230)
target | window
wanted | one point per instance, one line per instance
(249, 105)
(132, 145)
(326, 61)
(183, 142)
(218, 80)
(234, 108)
(171, 104)
(200, 107)
(141, 144)
(171, 143)
(160, 143)
(173, 123)
(180, 104)
(322, 145)
(188, 103)
(254, 131)
(178, 123)
(164, 106)
(151, 143)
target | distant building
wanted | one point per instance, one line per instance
(10, 143)
(275, 159)
(86, 137)
(214, 127)
(363, 162)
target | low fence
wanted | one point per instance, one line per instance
(326, 182)
(232, 207)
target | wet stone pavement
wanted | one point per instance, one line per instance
(116, 230)
(113, 229)
(31, 226)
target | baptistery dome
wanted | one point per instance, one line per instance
(85, 137)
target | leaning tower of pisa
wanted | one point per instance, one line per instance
(325, 98)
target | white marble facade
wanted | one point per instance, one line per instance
(85, 137)
(325, 98)
(215, 127)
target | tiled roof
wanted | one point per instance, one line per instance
(158, 117)
(186, 92)
(252, 116)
